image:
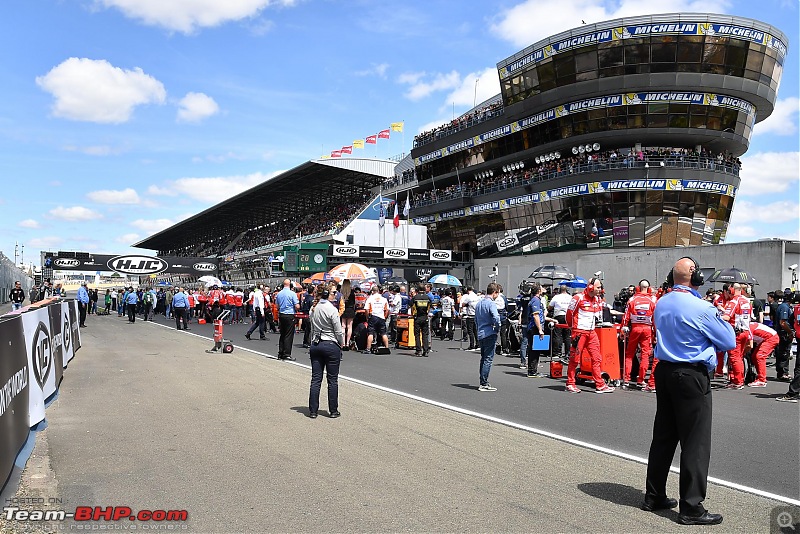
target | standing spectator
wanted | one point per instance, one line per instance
(377, 309)
(305, 307)
(349, 313)
(737, 313)
(17, 296)
(131, 302)
(502, 303)
(326, 352)
(561, 335)
(467, 306)
(114, 296)
(523, 305)
(168, 294)
(93, 297)
(689, 331)
(288, 304)
(584, 311)
(107, 302)
(487, 323)
(258, 310)
(535, 328)
(83, 304)
(34, 294)
(637, 327)
(149, 299)
(395, 303)
(783, 324)
(793, 395)
(448, 312)
(180, 308)
(420, 307)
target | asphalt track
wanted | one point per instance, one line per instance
(147, 419)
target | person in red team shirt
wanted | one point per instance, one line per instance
(719, 302)
(737, 312)
(765, 339)
(637, 326)
(584, 310)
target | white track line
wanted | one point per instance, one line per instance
(532, 430)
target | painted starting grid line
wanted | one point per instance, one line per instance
(525, 428)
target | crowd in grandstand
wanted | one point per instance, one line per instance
(485, 113)
(399, 179)
(470, 185)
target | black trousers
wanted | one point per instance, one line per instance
(446, 328)
(472, 331)
(325, 356)
(258, 324)
(286, 326)
(132, 313)
(505, 325)
(782, 353)
(180, 317)
(683, 415)
(422, 334)
(82, 313)
(561, 339)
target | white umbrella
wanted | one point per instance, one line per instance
(209, 280)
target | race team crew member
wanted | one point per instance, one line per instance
(378, 311)
(420, 306)
(637, 326)
(719, 303)
(583, 311)
(737, 314)
(765, 339)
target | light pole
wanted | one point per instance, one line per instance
(475, 95)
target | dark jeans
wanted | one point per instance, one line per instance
(422, 334)
(487, 346)
(794, 385)
(286, 325)
(180, 317)
(258, 324)
(307, 331)
(683, 415)
(782, 353)
(148, 310)
(325, 355)
(561, 339)
(132, 313)
(505, 324)
(393, 328)
(472, 332)
(446, 329)
(82, 313)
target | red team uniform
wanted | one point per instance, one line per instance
(639, 318)
(581, 315)
(765, 339)
(738, 310)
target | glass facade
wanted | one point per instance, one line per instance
(617, 219)
(662, 53)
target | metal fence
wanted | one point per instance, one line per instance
(10, 273)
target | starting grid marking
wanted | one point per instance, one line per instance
(525, 428)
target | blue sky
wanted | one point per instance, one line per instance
(123, 117)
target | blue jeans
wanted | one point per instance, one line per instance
(16, 306)
(325, 355)
(487, 345)
(523, 345)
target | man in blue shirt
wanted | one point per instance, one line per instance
(131, 302)
(487, 322)
(783, 315)
(689, 333)
(288, 304)
(535, 327)
(180, 308)
(83, 302)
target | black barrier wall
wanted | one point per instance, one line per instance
(14, 393)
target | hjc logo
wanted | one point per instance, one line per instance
(507, 242)
(424, 273)
(346, 250)
(42, 354)
(205, 267)
(65, 262)
(137, 264)
(439, 255)
(66, 332)
(395, 252)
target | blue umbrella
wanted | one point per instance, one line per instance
(578, 283)
(445, 279)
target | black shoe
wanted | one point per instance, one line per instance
(313, 415)
(418, 354)
(287, 358)
(334, 415)
(306, 346)
(650, 505)
(263, 338)
(706, 519)
(248, 337)
(424, 354)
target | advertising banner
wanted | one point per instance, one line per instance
(42, 364)
(15, 385)
(134, 264)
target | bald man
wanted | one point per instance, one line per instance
(690, 332)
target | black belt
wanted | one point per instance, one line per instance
(701, 365)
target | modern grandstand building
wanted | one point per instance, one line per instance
(620, 134)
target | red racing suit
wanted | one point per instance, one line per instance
(765, 339)
(582, 313)
(639, 319)
(738, 310)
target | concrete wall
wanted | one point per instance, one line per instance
(768, 261)
(10, 273)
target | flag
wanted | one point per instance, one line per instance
(407, 208)
(396, 221)
(325, 157)
(336, 154)
(397, 126)
(358, 143)
(373, 139)
(383, 134)
(382, 215)
(347, 149)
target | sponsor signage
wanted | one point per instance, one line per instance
(371, 252)
(600, 102)
(345, 250)
(441, 255)
(507, 242)
(135, 264)
(391, 253)
(395, 253)
(418, 254)
(628, 32)
(15, 387)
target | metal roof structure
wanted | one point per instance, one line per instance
(298, 191)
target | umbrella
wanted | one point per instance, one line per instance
(209, 280)
(552, 272)
(396, 280)
(732, 274)
(445, 279)
(577, 283)
(317, 278)
(352, 271)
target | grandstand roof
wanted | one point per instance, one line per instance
(297, 191)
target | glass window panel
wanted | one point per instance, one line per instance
(698, 223)
(769, 66)
(657, 121)
(752, 75)
(612, 71)
(662, 67)
(610, 57)
(660, 107)
(637, 54)
(689, 67)
(729, 117)
(652, 231)
(586, 61)
(564, 64)
(531, 79)
(664, 53)
(597, 113)
(642, 68)
(697, 121)
(714, 54)
(547, 75)
(588, 75)
(636, 121)
(636, 231)
(754, 61)
(735, 60)
(690, 52)
(679, 121)
(580, 128)
(716, 40)
(654, 202)
(679, 108)
(598, 125)
(669, 231)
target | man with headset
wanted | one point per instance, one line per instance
(637, 326)
(690, 332)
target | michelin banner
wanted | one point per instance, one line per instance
(15, 385)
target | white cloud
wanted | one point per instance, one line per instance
(410, 78)
(108, 196)
(783, 220)
(128, 239)
(433, 124)
(438, 82)
(468, 92)
(152, 226)
(186, 16)
(29, 223)
(769, 172)
(97, 150)
(522, 24)
(216, 189)
(156, 190)
(783, 120)
(75, 213)
(194, 107)
(96, 91)
(375, 70)
(45, 243)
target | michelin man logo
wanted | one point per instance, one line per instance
(675, 185)
(548, 51)
(706, 29)
(561, 111)
(620, 33)
(596, 187)
(632, 98)
(710, 99)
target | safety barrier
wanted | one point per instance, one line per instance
(36, 344)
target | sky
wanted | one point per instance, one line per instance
(123, 117)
